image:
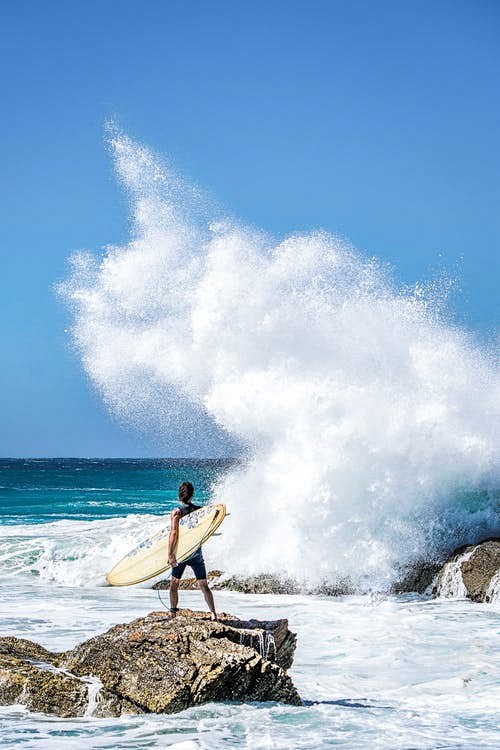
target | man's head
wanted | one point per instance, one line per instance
(186, 492)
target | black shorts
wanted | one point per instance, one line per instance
(196, 562)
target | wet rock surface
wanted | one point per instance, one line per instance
(264, 583)
(153, 664)
(29, 675)
(472, 571)
(417, 579)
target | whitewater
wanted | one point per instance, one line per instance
(368, 421)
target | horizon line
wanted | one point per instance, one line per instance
(119, 458)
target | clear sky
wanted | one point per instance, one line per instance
(379, 121)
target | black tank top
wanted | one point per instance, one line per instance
(186, 508)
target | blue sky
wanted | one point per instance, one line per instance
(376, 120)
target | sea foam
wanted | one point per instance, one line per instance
(368, 420)
(72, 553)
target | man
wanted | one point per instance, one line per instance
(195, 561)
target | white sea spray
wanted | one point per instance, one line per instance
(365, 415)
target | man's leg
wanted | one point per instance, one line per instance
(174, 595)
(205, 590)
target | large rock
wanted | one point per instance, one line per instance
(153, 664)
(472, 571)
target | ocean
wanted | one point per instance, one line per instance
(374, 670)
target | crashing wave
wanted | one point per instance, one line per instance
(369, 421)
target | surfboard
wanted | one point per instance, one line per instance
(149, 558)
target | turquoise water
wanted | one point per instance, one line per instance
(44, 490)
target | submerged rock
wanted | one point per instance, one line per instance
(471, 572)
(153, 664)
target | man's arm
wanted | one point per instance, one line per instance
(173, 536)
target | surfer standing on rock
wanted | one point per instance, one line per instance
(195, 561)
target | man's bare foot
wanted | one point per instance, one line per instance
(213, 617)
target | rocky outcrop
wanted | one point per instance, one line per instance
(471, 572)
(153, 664)
(258, 584)
(264, 583)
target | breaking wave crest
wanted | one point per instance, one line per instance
(368, 420)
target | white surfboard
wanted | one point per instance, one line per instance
(149, 559)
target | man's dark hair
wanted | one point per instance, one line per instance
(186, 492)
